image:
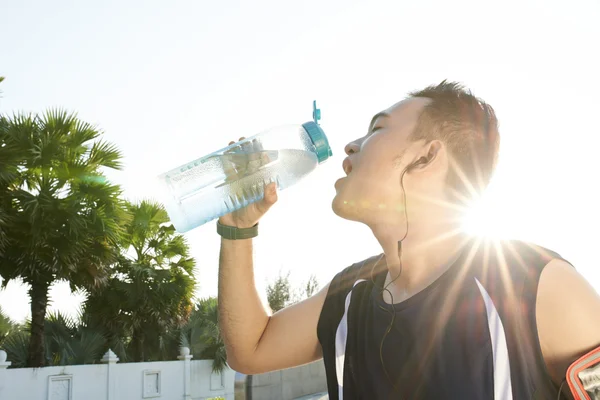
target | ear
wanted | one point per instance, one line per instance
(431, 153)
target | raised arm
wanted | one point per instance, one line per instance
(256, 341)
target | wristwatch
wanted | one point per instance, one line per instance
(233, 233)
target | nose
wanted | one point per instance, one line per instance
(352, 147)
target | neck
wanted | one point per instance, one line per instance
(423, 256)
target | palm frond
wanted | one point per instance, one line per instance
(81, 134)
(104, 154)
(6, 326)
(16, 346)
(88, 346)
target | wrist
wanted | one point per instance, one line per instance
(239, 225)
(236, 233)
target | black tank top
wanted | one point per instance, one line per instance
(470, 335)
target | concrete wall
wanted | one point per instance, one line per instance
(206, 384)
(53, 382)
(134, 380)
(290, 383)
(168, 380)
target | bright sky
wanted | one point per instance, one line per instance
(169, 82)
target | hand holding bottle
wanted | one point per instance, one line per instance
(247, 159)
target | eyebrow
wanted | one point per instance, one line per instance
(375, 117)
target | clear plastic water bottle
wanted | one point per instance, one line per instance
(235, 176)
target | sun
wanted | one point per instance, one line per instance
(485, 220)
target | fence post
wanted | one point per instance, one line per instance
(3, 363)
(4, 383)
(186, 357)
(110, 359)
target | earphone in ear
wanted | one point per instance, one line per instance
(420, 161)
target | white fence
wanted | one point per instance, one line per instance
(168, 380)
(290, 383)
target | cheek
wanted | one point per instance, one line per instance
(377, 157)
(377, 184)
(376, 167)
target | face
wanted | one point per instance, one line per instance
(371, 191)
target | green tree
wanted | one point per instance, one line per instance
(311, 287)
(68, 341)
(60, 219)
(279, 292)
(149, 291)
(16, 346)
(201, 334)
(6, 326)
(71, 341)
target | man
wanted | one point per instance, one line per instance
(437, 314)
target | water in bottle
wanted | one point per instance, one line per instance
(235, 176)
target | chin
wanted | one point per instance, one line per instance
(338, 207)
(344, 209)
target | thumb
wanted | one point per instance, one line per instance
(269, 198)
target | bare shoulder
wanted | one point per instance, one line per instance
(568, 316)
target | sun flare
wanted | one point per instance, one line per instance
(482, 219)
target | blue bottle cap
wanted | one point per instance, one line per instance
(319, 139)
(316, 112)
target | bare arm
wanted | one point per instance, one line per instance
(255, 341)
(568, 317)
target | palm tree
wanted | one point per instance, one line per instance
(68, 341)
(16, 346)
(6, 326)
(60, 219)
(149, 293)
(202, 336)
(71, 341)
(10, 156)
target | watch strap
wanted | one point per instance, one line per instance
(234, 233)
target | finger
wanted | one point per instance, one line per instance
(242, 161)
(257, 145)
(229, 166)
(256, 154)
(254, 148)
(242, 138)
(268, 200)
(229, 170)
(246, 147)
(232, 149)
(270, 193)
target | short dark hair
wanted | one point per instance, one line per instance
(468, 126)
